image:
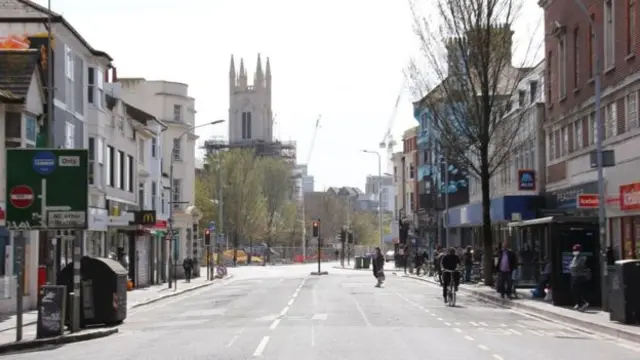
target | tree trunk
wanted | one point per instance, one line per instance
(487, 240)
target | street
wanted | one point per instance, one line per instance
(283, 313)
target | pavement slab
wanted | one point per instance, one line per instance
(290, 315)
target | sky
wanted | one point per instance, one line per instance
(342, 60)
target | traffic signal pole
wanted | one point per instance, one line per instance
(316, 234)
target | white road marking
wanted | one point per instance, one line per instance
(515, 332)
(483, 324)
(439, 319)
(284, 311)
(497, 357)
(261, 346)
(233, 339)
(447, 323)
(483, 347)
(473, 323)
(274, 324)
(320, 317)
(457, 330)
(364, 316)
(290, 302)
(469, 338)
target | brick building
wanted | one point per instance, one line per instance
(570, 115)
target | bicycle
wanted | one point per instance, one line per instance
(451, 293)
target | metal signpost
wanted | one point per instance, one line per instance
(48, 189)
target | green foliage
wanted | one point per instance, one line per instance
(365, 229)
(255, 195)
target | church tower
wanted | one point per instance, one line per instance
(250, 115)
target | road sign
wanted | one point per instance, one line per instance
(21, 196)
(52, 193)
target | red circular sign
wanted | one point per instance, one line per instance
(21, 196)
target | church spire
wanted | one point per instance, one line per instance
(232, 67)
(258, 80)
(268, 69)
(242, 76)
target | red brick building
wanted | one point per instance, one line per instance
(570, 51)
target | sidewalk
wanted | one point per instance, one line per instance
(593, 319)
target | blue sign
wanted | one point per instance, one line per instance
(212, 226)
(44, 163)
(526, 179)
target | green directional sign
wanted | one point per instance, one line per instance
(47, 189)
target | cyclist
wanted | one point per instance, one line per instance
(450, 262)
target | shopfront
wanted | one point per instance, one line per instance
(566, 200)
(97, 232)
(624, 224)
(466, 220)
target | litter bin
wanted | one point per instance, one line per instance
(625, 292)
(357, 262)
(366, 262)
(103, 295)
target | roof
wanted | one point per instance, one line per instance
(42, 16)
(16, 71)
(138, 115)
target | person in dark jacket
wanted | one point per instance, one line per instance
(418, 261)
(467, 259)
(187, 265)
(580, 276)
(378, 266)
(450, 263)
(505, 264)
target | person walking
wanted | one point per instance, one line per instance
(506, 263)
(187, 265)
(467, 259)
(378, 267)
(580, 276)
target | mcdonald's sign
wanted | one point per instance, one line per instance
(144, 217)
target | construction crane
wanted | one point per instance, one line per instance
(387, 140)
(302, 212)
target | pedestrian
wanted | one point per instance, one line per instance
(467, 259)
(187, 266)
(378, 267)
(417, 262)
(580, 276)
(506, 263)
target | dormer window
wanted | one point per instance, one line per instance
(521, 98)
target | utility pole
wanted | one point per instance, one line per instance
(50, 139)
(220, 211)
(348, 228)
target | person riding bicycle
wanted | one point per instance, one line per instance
(450, 263)
(437, 259)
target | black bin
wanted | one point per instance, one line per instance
(625, 292)
(103, 296)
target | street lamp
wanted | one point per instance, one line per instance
(599, 140)
(379, 195)
(171, 202)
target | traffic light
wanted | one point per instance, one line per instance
(315, 228)
(350, 235)
(343, 235)
(207, 237)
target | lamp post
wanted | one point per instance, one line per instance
(174, 256)
(599, 140)
(379, 195)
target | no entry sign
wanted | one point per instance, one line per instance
(21, 196)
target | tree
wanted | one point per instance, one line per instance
(473, 84)
(329, 208)
(205, 201)
(277, 186)
(365, 229)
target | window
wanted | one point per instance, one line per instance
(163, 205)
(565, 141)
(611, 120)
(68, 55)
(577, 132)
(177, 113)
(533, 91)
(609, 35)
(411, 171)
(110, 164)
(395, 174)
(246, 125)
(594, 128)
(154, 147)
(175, 201)
(91, 84)
(154, 194)
(127, 175)
(141, 195)
(31, 128)
(632, 25)
(120, 181)
(69, 136)
(576, 57)
(177, 156)
(131, 173)
(549, 77)
(590, 48)
(632, 110)
(521, 97)
(92, 159)
(100, 93)
(141, 151)
(562, 67)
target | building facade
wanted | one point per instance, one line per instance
(21, 110)
(372, 185)
(570, 115)
(170, 103)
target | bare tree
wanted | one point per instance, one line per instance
(467, 88)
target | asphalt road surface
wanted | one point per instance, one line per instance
(282, 313)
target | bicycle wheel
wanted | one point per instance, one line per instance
(453, 297)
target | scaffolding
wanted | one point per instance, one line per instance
(283, 149)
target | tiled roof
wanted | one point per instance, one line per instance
(16, 71)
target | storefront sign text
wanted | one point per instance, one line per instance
(630, 197)
(588, 201)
